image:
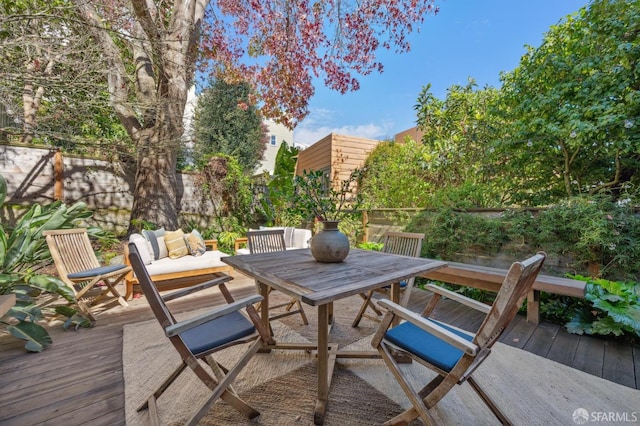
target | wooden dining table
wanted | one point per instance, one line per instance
(298, 274)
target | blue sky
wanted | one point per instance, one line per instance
(468, 38)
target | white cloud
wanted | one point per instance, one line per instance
(315, 127)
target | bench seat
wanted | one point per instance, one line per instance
(490, 279)
(169, 274)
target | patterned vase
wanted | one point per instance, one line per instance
(330, 245)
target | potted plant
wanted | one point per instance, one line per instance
(315, 198)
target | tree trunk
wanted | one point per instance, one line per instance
(150, 103)
(155, 192)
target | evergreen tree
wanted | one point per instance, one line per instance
(226, 122)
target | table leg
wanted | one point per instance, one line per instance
(395, 297)
(323, 364)
(264, 314)
(326, 361)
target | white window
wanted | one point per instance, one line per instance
(273, 140)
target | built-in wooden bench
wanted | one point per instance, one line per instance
(186, 271)
(487, 278)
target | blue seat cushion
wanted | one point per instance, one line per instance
(217, 332)
(427, 346)
(90, 273)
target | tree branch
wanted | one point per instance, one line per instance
(117, 75)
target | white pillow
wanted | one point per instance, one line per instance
(162, 246)
(288, 236)
(143, 248)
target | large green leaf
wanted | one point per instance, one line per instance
(3, 189)
(577, 326)
(3, 245)
(36, 336)
(52, 285)
(25, 312)
(15, 251)
(608, 325)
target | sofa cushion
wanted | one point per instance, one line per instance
(195, 243)
(301, 238)
(162, 246)
(157, 247)
(209, 259)
(143, 247)
(175, 244)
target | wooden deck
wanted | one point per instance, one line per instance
(79, 381)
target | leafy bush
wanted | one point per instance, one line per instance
(370, 245)
(587, 231)
(592, 230)
(452, 232)
(23, 252)
(614, 309)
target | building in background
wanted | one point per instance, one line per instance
(413, 133)
(336, 155)
(277, 133)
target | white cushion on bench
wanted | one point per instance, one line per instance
(209, 259)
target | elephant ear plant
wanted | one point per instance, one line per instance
(23, 252)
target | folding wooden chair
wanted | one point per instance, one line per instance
(267, 241)
(452, 353)
(402, 243)
(197, 339)
(79, 268)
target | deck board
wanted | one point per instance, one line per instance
(520, 334)
(79, 379)
(563, 348)
(542, 339)
(589, 355)
(618, 361)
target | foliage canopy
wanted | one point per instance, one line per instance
(225, 122)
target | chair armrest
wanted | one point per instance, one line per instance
(479, 306)
(182, 326)
(430, 327)
(239, 242)
(211, 243)
(198, 287)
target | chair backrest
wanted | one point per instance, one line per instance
(158, 306)
(266, 241)
(517, 283)
(71, 250)
(403, 243)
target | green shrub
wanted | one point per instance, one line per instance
(614, 309)
(592, 230)
(451, 232)
(370, 245)
(585, 231)
(23, 253)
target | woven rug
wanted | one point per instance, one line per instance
(282, 385)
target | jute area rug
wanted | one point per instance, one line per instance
(282, 384)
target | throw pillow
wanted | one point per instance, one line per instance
(143, 248)
(163, 248)
(195, 243)
(154, 244)
(175, 244)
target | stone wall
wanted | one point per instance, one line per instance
(105, 187)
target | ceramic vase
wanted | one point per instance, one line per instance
(330, 245)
